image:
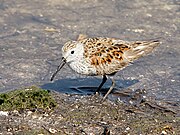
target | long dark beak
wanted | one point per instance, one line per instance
(63, 62)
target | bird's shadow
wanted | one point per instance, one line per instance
(85, 86)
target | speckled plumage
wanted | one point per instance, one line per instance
(103, 56)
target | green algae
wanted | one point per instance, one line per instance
(27, 98)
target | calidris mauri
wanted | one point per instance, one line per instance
(102, 56)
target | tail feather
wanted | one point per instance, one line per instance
(139, 49)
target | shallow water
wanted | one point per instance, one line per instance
(33, 32)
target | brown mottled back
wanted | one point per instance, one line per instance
(110, 55)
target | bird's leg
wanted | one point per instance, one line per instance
(102, 83)
(110, 89)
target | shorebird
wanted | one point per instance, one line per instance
(102, 56)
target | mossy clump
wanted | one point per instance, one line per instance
(27, 99)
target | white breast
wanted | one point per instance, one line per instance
(82, 67)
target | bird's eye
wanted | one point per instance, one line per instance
(72, 52)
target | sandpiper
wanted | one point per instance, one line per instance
(102, 56)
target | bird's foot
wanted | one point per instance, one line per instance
(96, 93)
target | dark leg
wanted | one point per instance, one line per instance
(110, 89)
(102, 83)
